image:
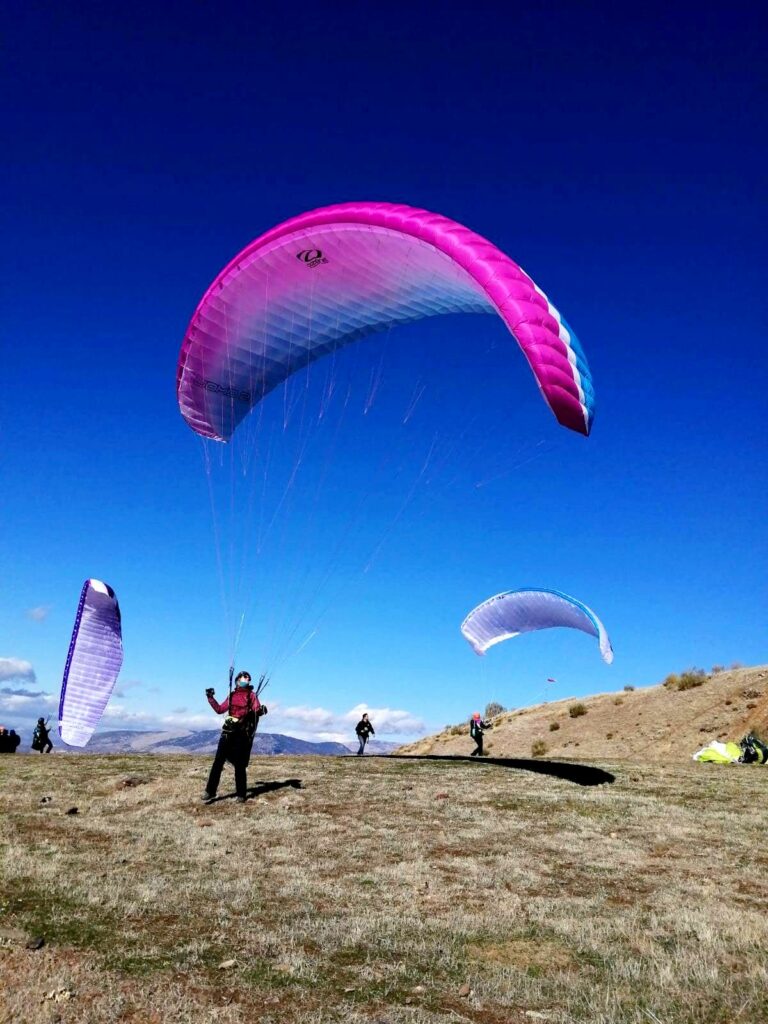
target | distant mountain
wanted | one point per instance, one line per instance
(202, 741)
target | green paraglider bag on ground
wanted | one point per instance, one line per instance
(750, 750)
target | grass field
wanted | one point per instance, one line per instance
(381, 891)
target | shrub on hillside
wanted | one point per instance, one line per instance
(619, 700)
(458, 730)
(691, 677)
(554, 726)
(717, 669)
(494, 708)
(538, 748)
(577, 710)
(629, 689)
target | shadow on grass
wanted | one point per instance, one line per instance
(581, 774)
(260, 789)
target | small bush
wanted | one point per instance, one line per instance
(717, 669)
(736, 664)
(672, 680)
(538, 748)
(554, 726)
(691, 677)
(609, 735)
(494, 708)
(458, 730)
(629, 689)
(577, 710)
(619, 700)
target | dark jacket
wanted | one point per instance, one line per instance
(41, 737)
(364, 729)
(9, 741)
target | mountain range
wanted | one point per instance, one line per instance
(205, 741)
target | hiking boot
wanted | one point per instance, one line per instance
(207, 797)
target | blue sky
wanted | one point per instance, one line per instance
(618, 157)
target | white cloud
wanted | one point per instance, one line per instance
(16, 669)
(21, 702)
(117, 715)
(127, 684)
(302, 721)
(321, 723)
(39, 613)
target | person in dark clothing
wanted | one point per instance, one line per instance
(41, 737)
(364, 729)
(476, 729)
(9, 740)
(243, 709)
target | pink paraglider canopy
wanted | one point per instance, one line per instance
(331, 276)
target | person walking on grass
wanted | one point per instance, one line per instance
(41, 737)
(476, 729)
(243, 709)
(364, 729)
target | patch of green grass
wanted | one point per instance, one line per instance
(59, 918)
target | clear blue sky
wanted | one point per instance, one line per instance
(619, 157)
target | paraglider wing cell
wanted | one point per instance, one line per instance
(93, 663)
(522, 611)
(328, 277)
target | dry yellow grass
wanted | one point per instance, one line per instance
(375, 890)
(656, 723)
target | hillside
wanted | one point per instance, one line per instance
(656, 724)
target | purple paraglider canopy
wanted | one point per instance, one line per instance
(93, 663)
(522, 611)
(330, 276)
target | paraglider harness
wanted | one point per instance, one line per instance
(40, 736)
(754, 751)
(245, 726)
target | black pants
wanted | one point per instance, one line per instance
(236, 749)
(478, 751)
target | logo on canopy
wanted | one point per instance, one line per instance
(312, 257)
